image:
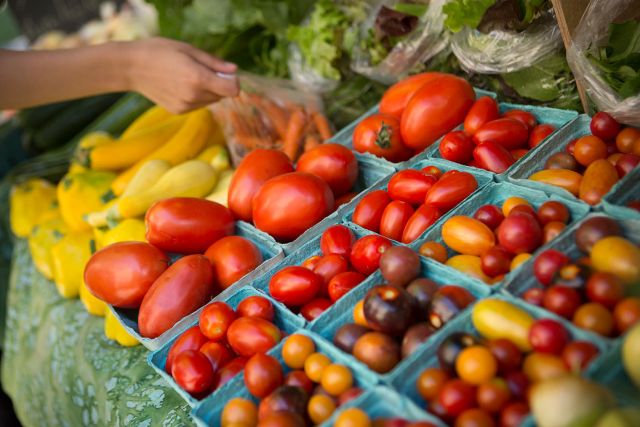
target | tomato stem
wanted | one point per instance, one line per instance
(384, 136)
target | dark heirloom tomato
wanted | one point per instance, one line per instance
(342, 283)
(314, 308)
(192, 371)
(493, 157)
(288, 205)
(388, 309)
(506, 353)
(250, 335)
(415, 336)
(191, 339)
(524, 117)
(347, 335)
(394, 218)
(484, 110)
(421, 219)
(562, 161)
(379, 134)
(368, 212)
(215, 319)
(450, 190)
(262, 375)
(295, 286)
(337, 239)
(399, 265)
(233, 257)
(457, 147)
(540, 133)
(446, 303)
(410, 186)
(334, 163)
(284, 399)
(218, 354)
(506, 132)
(396, 98)
(256, 306)
(366, 253)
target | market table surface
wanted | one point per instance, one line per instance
(60, 369)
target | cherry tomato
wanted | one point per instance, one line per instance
(215, 319)
(626, 313)
(543, 366)
(315, 308)
(296, 349)
(256, 306)
(467, 236)
(524, 117)
(493, 395)
(506, 353)
(434, 250)
(232, 258)
(547, 264)
(551, 231)
(336, 379)
(520, 233)
(539, 134)
(349, 395)
(192, 371)
(476, 364)
(121, 274)
(626, 163)
(366, 253)
(218, 354)
(250, 335)
(430, 383)
(489, 215)
(254, 170)
(299, 379)
(262, 375)
(379, 134)
(588, 149)
(333, 163)
(338, 240)
(394, 219)
(353, 417)
(626, 138)
(410, 186)
(484, 110)
(396, 98)
(191, 339)
(239, 411)
(457, 147)
(553, 211)
(561, 300)
(358, 314)
(562, 160)
(493, 157)
(422, 218)
(510, 203)
(328, 267)
(282, 419)
(604, 126)
(495, 261)
(514, 414)
(548, 336)
(311, 262)
(433, 171)
(594, 317)
(342, 283)
(368, 212)
(295, 286)
(534, 296)
(605, 288)
(578, 354)
(506, 132)
(518, 384)
(474, 418)
(571, 147)
(229, 371)
(320, 408)
(314, 366)
(288, 205)
(450, 190)
(457, 396)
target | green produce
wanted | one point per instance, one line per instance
(630, 354)
(626, 417)
(490, 14)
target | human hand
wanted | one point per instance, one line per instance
(178, 76)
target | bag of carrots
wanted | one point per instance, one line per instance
(271, 113)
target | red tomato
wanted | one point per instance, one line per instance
(396, 98)
(548, 336)
(489, 215)
(435, 109)
(250, 335)
(520, 233)
(534, 296)
(524, 117)
(328, 267)
(122, 273)
(256, 306)
(422, 218)
(604, 126)
(450, 190)
(314, 308)
(506, 132)
(229, 371)
(345, 198)
(233, 257)
(187, 225)
(379, 134)
(394, 219)
(547, 264)
(626, 163)
(192, 371)
(484, 110)
(338, 240)
(432, 170)
(218, 354)
(605, 288)
(254, 170)
(183, 288)
(562, 300)
(506, 353)
(553, 211)
(343, 283)
(368, 212)
(215, 319)
(493, 157)
(540, 133)
(518, 154)
(578, 354)
(299, 379)
(410, 186)
(311, 262)
(495, 261)
(262, 375)
(295, 286)
(288, 205)
(334, 163)
(457, 147)
(514, 414)
(366, 253)
(191, 339)
(571, 146)
(457, 396)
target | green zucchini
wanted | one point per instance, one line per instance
(35, 117)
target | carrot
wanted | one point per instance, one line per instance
(323, 125)
(291, 141)
(311, 141)
(277, 116)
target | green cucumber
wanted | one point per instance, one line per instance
(35, 117)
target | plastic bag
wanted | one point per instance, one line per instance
(271, 113)
(425, 41)
(592, 33)
(506, 51)
(306, 76)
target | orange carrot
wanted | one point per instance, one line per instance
(277, 116)
(311, 141)
(323, 126)
(291, 141)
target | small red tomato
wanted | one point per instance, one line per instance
(493, 157)
(626, 313)
(379, 134)
(495, 261)
(343, 283)
(604, 126)
(262, 375)
(328, 267)
(518, 384)
(474, 417)
(578, 354)
(514, 414)
(539, 134)
(192, 371)
(552, 211)
(422, 218)
(299, 379)
(410, 186)
(457, 396)
(433, 171)
(315, 308)
(191, 339)
(548, 336)
(547, 264)
(482, 111)
(368, 212)
(518, 154)
(605, 288)
(366, 253)
(250, 335)
(534, 296)
(561, 300)
(215, 319)
(229, 371)
(348, 395)
(492, 396)
(506, 132)
(626, 163)
(506, 353)
(233, 257)
(394, 219)
(295, 286)
(218, 354)
(634, 204)
(335, 164)
(256, 306)
(338, 240)
(524, 117)
(311, 262)
(571, 146)
(456, 147)
(450, 190)
(551, 231)
(519, 233)
(523, 209)
(489, 215)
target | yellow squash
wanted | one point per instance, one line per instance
(42, 239)
(217, 156)
(30, 203)
(216, 137)
(495, 318)
(151, 117)
(69, 256)
(80, 194)
(128, 230)
(116, 332)
(92, 304)
(221, 190)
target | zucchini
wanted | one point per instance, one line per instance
(35, 117)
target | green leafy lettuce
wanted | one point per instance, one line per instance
(487, 15)
(460, 13)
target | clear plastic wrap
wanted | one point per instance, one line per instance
(306, 76)
(501, 51)
(591, 34)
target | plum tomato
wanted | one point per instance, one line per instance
(283, 400)
(524, 117)
(342, 283)
(328, 267)
(457, 147)
(578, 354)
(604, 126)
(476, 365)
(482, 111)
(547, 265)
(507, 355)
(540, 133)
(534, 296)
(548, 336)
(192, 371)
(495, 261)
(366, 253)
(594, 317)
(394, 219)
(520, 233)
(295, 286)
(399, 265)
(511, 202)
(233, 257)
(588, 149)
(379, 134)
(250, 335)
(410, 186)
(338, 240)
(333, 163)
(345, 198)
(424, 217)
(467, 236)
(298, 378)
(457, 396)
(430, 383)
(493, 395)
(626, 313)
(256, 306)
(434, 250)
(262, 375)
(296, 349)
(561, 300)
(396, 98)
(506, 132)
(605, 288)
(388, 309)
(215, 319)
(311, 262)
(191, 339)
(315, 308)
(218, 354)
(450, 190)
(228, 371)
(489, 215)
(368, 212)
(514, 414)
(493, 157)
(553, 211)
(626, 138)
(353, 417)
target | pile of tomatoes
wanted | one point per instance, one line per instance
(137, 275)
(497, 240)
(413, 201)
(208, 355)
(493, 142)
(322, 279)
(312, 389)
(594, 291)
(356, 417)
(592, 164)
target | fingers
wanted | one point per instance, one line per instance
(213, 62)
(222, 85)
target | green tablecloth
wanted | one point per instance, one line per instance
(60, 370)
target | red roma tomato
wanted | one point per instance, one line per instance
(232, 257)
(295, 286)
(484, 110)
(524, 117)
(345, 198)
(315, 308)
(540, 133)
(604, 126)
(343, 283)
(256, 306)
(432, 170)
(396, 98)
(506, 132)
(192, 371)
(229, 371)
(262, 375)
(191, 339)
(369, 211)
(457, 147)
(410, 186)
(122, 273)
(547, 264)
(422, 218)
(548, 336)
(328, 267)
(394, 219)
(489, 215)
(288, 205)
(215, 319)
(366, 253)
(379, 134)
(519, 153)
(334, 163)
(338, 240)
(183, 288)
(187, 225)
(311, 262)
(250, 335)
(450, 190)
(520, 233)
(626, 163)
(218, 354)
(435, 109)
(254, 170)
